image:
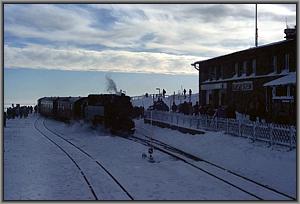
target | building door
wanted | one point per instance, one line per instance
(208, 97)
(221, 98)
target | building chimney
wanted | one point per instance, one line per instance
(290, 33)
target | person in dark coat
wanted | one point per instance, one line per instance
(202, 110)
(174, 107)
(251, 111)
(164, 92)
(13, 113)
(184, 92)
(4, 119)
(196, 108)
(190, 109)
(185, 108)
(210, 110)
(8, 115)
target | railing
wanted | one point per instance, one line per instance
(149, 96)
(269, 132)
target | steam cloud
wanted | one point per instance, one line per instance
(111, 86)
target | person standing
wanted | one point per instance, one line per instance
(196, 108)
(4, 119)
(164, 92)
(190, 95)
(184, 92)
(174, 107)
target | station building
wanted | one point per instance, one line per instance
(260, 81)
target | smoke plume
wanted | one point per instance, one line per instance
(111, 86)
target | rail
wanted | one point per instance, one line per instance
(269, 132)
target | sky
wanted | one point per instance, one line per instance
(68, 49)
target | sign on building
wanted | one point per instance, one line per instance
(242, 86)
(213, 86)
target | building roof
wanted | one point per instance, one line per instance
(249, 49)
(288, 79)
(69, 99)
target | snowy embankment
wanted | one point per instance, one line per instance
(36, 169)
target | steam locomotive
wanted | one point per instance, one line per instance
(112, 110)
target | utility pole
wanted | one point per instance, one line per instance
(256, 30)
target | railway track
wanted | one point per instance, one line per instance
(70, 157)
(247, 185)
(82, 152)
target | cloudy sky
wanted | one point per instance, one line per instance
(150, 39)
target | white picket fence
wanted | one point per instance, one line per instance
(271, 133)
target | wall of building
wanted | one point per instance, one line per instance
(237, 79)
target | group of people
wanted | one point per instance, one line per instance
(184, 92)
(159, 105)
(188, 108)
(18, 112)
(190, 93)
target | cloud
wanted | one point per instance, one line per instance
(122, 33)
(40, 57)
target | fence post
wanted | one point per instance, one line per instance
(151, 118)
(227, 125)
(240, 131)
(291, 137)
(217, 124)
(271, 134)
(254, 130)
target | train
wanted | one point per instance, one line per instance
(113, 111)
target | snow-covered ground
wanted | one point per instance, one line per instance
(273, 166)
(36, 169)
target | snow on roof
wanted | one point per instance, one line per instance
(288, 79)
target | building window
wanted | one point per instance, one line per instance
(254, 66)
(221, 72)
(274, 64)
(281, 91)
(236, 69)
(215, 73)
(273, 91)
(244, 68)
(286, 61)
(210, 75)
(208, 97)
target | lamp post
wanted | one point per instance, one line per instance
(158, 91)
(198, 68)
